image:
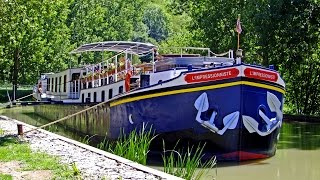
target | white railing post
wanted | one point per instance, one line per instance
(75, 88)
(92, 77)
(78, 94)
(153, 63)
(116, 69)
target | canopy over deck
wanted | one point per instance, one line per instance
(136, 48)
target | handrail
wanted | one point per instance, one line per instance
(230, 52)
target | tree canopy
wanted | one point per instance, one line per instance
(36, 37)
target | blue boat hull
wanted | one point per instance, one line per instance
(228, 116)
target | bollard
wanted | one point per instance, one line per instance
(20, 129)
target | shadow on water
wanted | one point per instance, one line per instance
(303, 136)
(27, 115)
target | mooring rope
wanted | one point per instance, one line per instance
(67, 117)
(25, 96)
(10, 102)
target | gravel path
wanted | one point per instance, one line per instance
(92, 162)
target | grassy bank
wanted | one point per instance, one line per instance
(18, 154)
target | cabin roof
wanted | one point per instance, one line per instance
(136, 48)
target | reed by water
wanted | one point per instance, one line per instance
(134, 146)
(181, 163)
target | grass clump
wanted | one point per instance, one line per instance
(76, 171)
(5, 177)
(12, 149)
(86, 139)
(134, 146)
(185, 164)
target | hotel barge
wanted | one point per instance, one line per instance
(235, 108)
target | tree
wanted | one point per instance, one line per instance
(99, 20)
(284, 33)
(157, 22)
(33, 38)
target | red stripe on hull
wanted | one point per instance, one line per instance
(244, 156)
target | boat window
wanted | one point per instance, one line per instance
(48, 85)
(82, 98)
(75, 76)
(52, 82)
(88, 98)
(120, 89)
(56, 85)
(95, 97)
(110, 93)
(60, 84)
(102, 96)
(65, 83)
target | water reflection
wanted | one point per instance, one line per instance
(27, 115)
(297, 156)
(304, 136)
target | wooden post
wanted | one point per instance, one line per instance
(20, 129)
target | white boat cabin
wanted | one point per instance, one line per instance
(117, 75)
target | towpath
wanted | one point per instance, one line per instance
(93, 163)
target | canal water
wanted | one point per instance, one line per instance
(297, 156)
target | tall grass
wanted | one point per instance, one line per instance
(52, 128)
(185, 164)
(86, 139)
(134, 146)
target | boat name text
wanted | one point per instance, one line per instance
(212, 76)
(260, 74)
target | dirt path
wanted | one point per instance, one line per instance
(13, 168)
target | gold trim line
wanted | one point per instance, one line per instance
(201, 88)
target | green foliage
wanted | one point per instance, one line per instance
(184, 164)
(134, 146)
(35, 37)
(284, 33)
(76, 171)
(86, 139)
(41, 34)
(103, 144)
(33, 34)
(157, 22)
(11, 149)
(5, 177)
(19, 93)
